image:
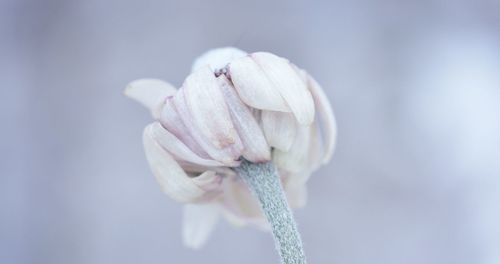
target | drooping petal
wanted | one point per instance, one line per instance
(207, 182)
(208, 109)
(296, 193)
(195, 169)
(279, 128)
(304, 156)
(171, 120)
(254, 142)
(150, 92)
(228, 155)
(217, 59)
(177, 148)
(316, 151)
(289, 84)
(172, 179)
(327, 118)
(324, 108)
(199, 222)
(253, 86)
(296, 159)
(239, 201)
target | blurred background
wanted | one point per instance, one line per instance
(415, 86)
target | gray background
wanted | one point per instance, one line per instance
(415, 87)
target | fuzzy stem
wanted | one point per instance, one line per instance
(264, 182)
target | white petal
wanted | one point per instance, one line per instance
(239, 200)
(217, 59)
(296, 193)
(228, 156)
(177, 148)
(280, 129)
(304, 157)
(207, 182)
(171, 120)
(208, 109)
(199, 222)
(256, 148)
(296, 159)
(289, 84)
(316, 150)
(150, 92)
(172, 179)
(253, 86)
(240, 207)
(327, 118)
(195, 169)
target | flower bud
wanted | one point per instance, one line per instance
(234, 105)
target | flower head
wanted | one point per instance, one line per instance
(233, 105)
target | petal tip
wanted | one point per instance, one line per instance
(149, 92)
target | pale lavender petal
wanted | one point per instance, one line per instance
(199, 222)
(177, 148)
(172, 179)
(239, 200)
(150, 92)
(195, 169)
(296, 159)
(171, 120)
(289, 84)
(296, 192)
(208, 109)
(324, 108)
(327, 118)
(254, 142)
(279, 128)
(316, 150)
(253, 86)
(207, 182)
(228, 155)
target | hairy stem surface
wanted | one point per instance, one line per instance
(264, 182)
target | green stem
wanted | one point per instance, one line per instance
(264, 182)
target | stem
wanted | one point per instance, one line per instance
(265, 184)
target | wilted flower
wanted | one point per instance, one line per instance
(233, 105)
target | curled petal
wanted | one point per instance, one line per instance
(296, 193)
(316, 151)
(150, 92)
(208, 109)
(255, 145)
(327, 118)
(325, 110)
(217, 59)
(171, 120)
(280, 129)
(253, 86)
(304, 156)
(207, 182)
(199, 222)
(228, 155)
(195, 169)
(240, 205)
(172, 179)
(296, 159)
(289, 84)
(177, 148)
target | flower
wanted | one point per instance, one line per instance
(233, 105)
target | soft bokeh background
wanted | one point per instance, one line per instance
(415, 86)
